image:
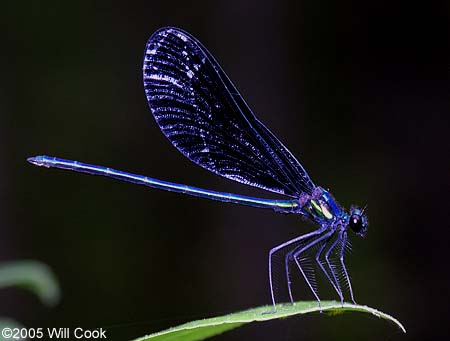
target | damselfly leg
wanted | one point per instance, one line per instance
(344, 269)
(332, 267)
(309, 276)
(289, 244)
(333, 281)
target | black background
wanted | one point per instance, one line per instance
(359, 93)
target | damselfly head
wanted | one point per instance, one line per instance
(358, 221)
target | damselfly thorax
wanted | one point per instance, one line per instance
(320, 206)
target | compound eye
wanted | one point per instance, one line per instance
(356, 223)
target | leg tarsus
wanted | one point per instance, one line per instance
(341, 259)
(273, 311)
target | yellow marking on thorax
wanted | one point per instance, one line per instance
(325, 212)
(322, 209)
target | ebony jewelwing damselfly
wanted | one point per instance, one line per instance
(203, 115)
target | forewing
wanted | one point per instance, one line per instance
(201, 112)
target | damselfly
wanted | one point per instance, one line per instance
(203, 115)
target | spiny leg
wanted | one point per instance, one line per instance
(333, 283)
(327, 260)
(280, 247)
(287, 258)
(296, 254)
(341, 259)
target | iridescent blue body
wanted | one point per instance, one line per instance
(203, 115)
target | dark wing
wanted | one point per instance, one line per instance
(201, 112)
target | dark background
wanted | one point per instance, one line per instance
(359, 92)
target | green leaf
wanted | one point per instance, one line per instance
(203, 329)
(31, 275)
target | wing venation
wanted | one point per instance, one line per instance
(201, 112)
